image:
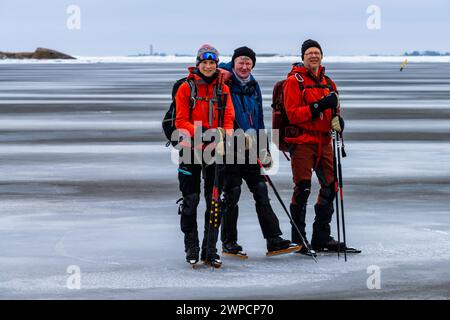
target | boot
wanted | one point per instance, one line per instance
(304, 251)
(334, 246)
(321, 227)
(190, 240)
(278, 244)
(188, 220)
(192, 255)
(231, 247)
(298, 213)
(212, 259)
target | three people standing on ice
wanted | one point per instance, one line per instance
(312, 108)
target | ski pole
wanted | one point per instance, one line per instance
(286, 156)
(267, 178)
(341, 193)
(336, 189)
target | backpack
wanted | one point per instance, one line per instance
(280, 120)
(168, 123)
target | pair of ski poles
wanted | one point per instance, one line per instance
(339, 191)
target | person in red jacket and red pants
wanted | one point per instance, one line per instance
(312, 106)
(197, 119)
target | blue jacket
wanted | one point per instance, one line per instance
(247, 101)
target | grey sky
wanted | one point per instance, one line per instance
(123, 27)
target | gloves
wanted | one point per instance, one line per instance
(248, 141)
(220, 147)
(331, 101)
(337, 124)
(266, 158)
(221, 132)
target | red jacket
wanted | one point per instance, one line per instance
(200, 112)
(297, 104)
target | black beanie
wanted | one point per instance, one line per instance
(244, 51)
(310, 44)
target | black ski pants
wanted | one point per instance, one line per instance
(234, 174)
(189, 178)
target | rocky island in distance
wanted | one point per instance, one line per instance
(39, 53)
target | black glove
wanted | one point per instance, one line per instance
(331, 101)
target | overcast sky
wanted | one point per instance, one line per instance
(123, 27)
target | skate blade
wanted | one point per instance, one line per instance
(212, 264)
(240, 255)
(283, 251)
(348, 252)
(307, 254)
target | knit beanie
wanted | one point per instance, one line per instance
(310, 44)
(244, 51)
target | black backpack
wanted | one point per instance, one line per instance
(168, 123)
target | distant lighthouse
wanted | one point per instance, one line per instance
(151, 49)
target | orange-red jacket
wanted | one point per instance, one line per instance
(297, 104)
(205, 92)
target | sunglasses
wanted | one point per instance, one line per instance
(209, 56)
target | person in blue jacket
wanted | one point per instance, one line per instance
(248, 108)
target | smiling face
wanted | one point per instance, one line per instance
(312, 58)
(207, 67)
(243, 67)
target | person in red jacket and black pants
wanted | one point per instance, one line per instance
(312, 106)
(197, 119)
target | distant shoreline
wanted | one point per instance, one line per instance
(274, 59)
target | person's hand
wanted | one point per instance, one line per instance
(220, 148)
(331, 101)
(266, 158)
(248, 141)
(337, 124)
(221, 132)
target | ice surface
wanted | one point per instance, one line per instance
(90, 183)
